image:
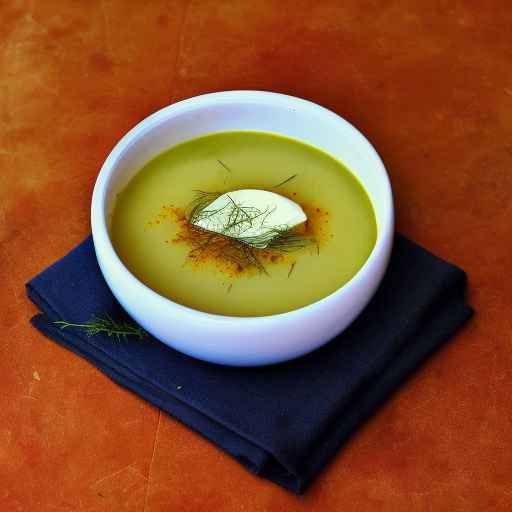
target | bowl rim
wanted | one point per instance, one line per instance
(100, 231)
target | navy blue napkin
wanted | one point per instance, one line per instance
(283, 422)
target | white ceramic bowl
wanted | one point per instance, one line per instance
(250, 340)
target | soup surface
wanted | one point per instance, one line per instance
(152, 236)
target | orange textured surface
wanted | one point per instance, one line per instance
(429, 82)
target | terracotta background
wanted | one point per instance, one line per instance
(429, 82)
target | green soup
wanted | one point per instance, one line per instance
(149, 226)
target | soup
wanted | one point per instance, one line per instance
(153, 233)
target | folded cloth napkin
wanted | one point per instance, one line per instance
(283, 422)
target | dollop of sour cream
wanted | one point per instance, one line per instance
(252, 216)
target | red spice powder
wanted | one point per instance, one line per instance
(230, 256)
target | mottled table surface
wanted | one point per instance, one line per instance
(430, 84)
